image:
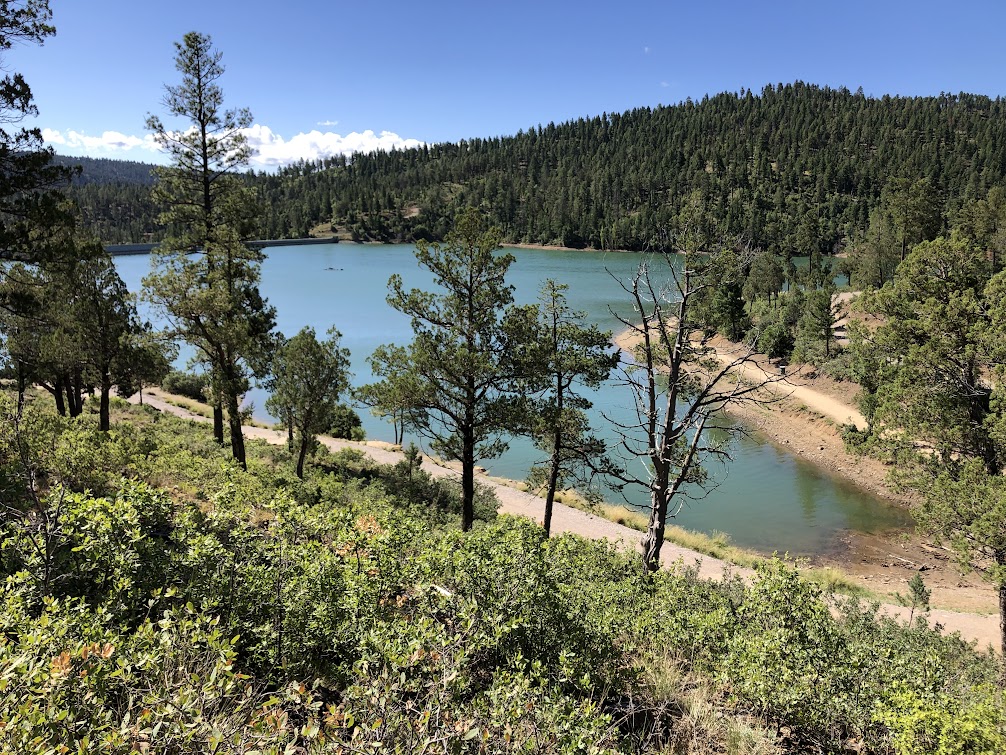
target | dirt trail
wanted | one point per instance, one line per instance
(796, 385)
(759, 370)
(983, 629)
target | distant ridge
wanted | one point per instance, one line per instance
(126, 249)
(793, 168)
(102, 170)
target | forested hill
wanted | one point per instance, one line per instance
(791, 169)
(114, 198)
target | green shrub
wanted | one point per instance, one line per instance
(204, 584)
(944, 726)
(784, 660)
(346, 423)
(188, 384)
(172, 685)
(775, 340)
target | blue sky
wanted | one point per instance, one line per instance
(324, 77)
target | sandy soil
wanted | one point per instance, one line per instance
(972, 618)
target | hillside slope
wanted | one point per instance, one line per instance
(793, 168)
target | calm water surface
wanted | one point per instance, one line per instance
(766, 499)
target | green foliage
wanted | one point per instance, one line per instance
(941, 726)
(780, 655)
(556, 356)
(210, 607)
(456, 366)
(171, 684)
(719, 303)
(192, 385)
(936, 363)
(308, 377)
(346, 423)
(792, 168)
(33, 217)
(205, 278)
(774, 337)
(396, 395)
(815, 331)
(918, 596)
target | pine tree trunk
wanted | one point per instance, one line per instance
(218, 422)
(57, 393)
(104, 420)
(71, 403)
(78, 392)
(553, 475)
(304, 440)
(467, 481)
(553, 480)
(237, 437)
(654, 539)
(22, 386)
(1002, 635)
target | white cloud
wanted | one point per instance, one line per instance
(646, 50)
(109, 141)
(271, 149)
(327, 123)
(664, 84)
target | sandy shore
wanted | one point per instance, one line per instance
(803, 415)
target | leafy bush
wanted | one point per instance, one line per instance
(945, 726)
(775, 340)
(346, 423)
(157, 612)
(171, 685)
(780, 660)
(188, 384)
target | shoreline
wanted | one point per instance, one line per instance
(803, 419)
(882, 562)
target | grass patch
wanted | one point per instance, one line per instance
(199, 408)
(700, 726)
(717, 545)
(835, 580)
(189, 405)
(621, 515)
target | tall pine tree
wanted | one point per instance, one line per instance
(206, 277)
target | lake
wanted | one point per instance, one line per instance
(766, 499)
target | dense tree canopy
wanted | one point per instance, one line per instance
(792, 168)
(28, 206)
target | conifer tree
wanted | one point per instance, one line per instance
(557, 356)
(456, 360)
(29, 206)
(309, 376)
(206, 277)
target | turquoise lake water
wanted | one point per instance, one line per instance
(766, 498)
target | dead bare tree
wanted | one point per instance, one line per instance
(680, 387)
